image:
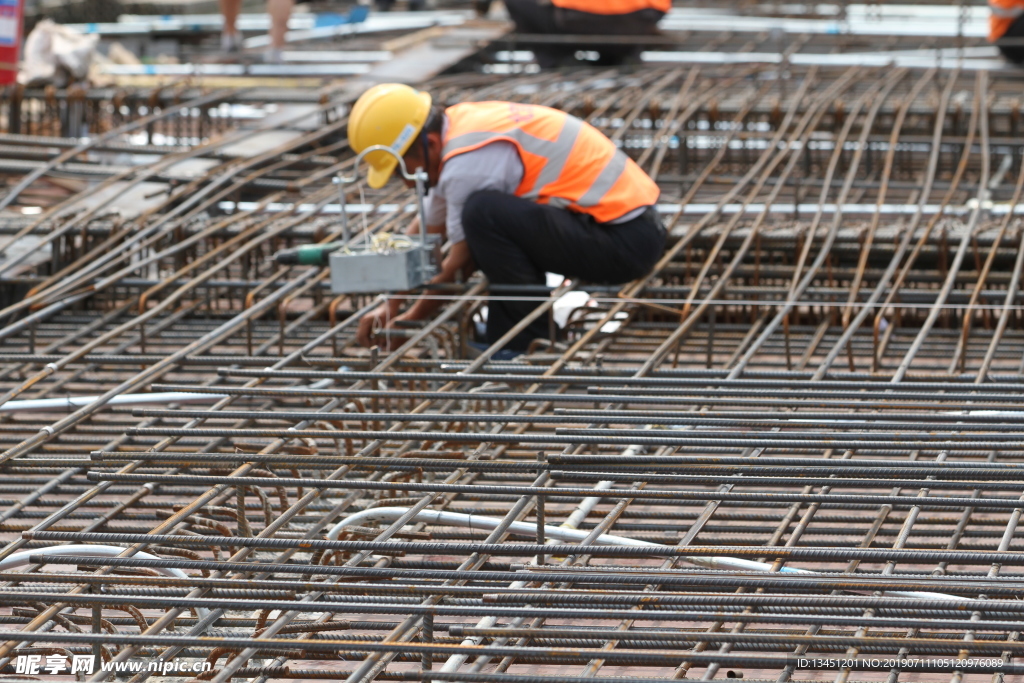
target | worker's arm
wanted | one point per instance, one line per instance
(414, 228)
(495, 167)
(387, 313)
(458, 260)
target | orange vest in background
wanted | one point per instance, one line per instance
(1004, 13)
(613, 6)
(567, 163)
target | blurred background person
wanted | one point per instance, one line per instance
(231, 38)
(586, 17)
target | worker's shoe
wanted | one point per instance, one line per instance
(273, 55)
(231, 42)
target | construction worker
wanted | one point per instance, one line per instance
(586, 17)
(519, 191)
(1007, 22)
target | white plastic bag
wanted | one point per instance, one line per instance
(55, 54)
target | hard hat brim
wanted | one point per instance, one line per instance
(378, 176)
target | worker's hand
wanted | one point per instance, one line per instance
(371, 323)
(374, 326)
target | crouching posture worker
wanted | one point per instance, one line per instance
(587, 17)
(1006, 28)
(519, 190)
(603, 17)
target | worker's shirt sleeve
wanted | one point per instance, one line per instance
(495, 166)
(436, 208)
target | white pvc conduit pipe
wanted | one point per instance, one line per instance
(21, 559)
(566, 532)
(440, 517)
(70, 403)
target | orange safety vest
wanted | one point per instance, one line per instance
(566, 162)
(1004, 13)
(613, 6)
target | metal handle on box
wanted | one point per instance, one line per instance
(419, 176)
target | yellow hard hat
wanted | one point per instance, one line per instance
(389, 114)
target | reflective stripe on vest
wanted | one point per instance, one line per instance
(561, 156)
(613, 6)
(1004, 13)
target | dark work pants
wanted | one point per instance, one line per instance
(532, 16)
(1014, 53)
(516, 241)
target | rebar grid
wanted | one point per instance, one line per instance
(842, 284)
